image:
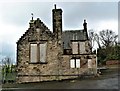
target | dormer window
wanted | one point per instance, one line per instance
(75, 47)
(78, 47)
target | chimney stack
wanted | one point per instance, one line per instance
(85, 28)
(57, 22)
(85, 25)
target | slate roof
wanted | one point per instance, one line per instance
(69, 35)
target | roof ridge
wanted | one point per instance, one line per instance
(41, 24)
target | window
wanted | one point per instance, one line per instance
(81, 47)
(72, 63)
(38, 53)
(75, 63)
(89, 63)
(75, 47)
(33, 53)
(78, 47)
(43, 52)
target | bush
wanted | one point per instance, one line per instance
(110, 53)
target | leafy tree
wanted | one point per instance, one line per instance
(6, 67)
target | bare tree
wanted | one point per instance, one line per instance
(104, 38)
(98, 41)
(107, 37)
(91, 38)
(94, 37)
(7, 61)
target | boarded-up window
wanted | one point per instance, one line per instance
(78, 47)
(75, 47)
(77, 63)
(81, 47)
(72, 63)
(33, 53)
(43, 48)
(38, 52)
(89, 63)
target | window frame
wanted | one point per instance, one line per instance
(80, 52)
(38, 52)
(75, 63)
(30, 54)
(78, 45)
(45, 54)
(89, 63)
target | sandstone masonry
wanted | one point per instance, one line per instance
(43, 55)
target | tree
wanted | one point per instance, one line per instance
(97, 39)
(107, 37)
(6, 67)
(7, 63)
(92, 38)
(106, 41)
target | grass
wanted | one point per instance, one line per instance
(9, 77)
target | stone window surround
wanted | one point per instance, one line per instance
(75, 58)
(38, 56)
(71, 53)
(78, 46)
(87, 56)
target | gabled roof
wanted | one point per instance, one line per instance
(68, 35)
(36, 24)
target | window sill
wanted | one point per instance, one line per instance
(43, 62)
(38, 63)
(77, 54)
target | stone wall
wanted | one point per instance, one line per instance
(57, 66)
(113, 62)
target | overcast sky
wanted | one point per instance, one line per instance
(15, 17)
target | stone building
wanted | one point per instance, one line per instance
(43, 55)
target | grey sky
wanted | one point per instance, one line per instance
(119, 22)
(14, 18)
(73, 12)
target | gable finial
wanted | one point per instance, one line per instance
(55, 6)
(32, 15)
